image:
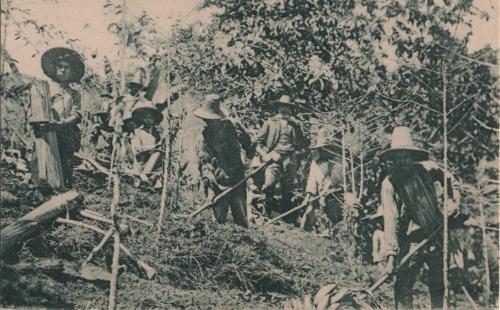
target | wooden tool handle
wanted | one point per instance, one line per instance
(302, 205)
(229, 190)
(404, 260)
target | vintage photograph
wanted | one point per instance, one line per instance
(249, 154)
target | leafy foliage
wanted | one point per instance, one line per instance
(367, 65)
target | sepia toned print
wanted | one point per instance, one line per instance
(269, 154)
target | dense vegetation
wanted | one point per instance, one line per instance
(357, 68)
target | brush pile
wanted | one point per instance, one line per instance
(202, 255)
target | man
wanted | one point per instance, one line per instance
(325, 174)
(65, 67)
(279, 140)
(145, 141)
(412, 211)
(220, 161)
(134, 84)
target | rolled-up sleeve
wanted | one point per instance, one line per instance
(391, 216)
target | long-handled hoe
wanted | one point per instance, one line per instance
(334, 297)
(331, 297)
(228, 191)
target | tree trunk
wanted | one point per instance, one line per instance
(487, 285)
(344, 164)
(361, 176)
(4, 36)
(353, 177)
(445, 198)
(47, 163)
(29, 224)
(166, 165)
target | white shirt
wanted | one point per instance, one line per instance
(65, 101)
(142, 140)
(323, 176)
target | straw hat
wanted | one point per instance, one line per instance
(146, 106)
(321, 139)
(401, 140)
(210, 108)
(52, 56)
(286, 101)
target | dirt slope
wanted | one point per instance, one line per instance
(200, 265)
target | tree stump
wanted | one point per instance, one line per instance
(46, 163)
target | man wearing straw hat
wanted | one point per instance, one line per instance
(220, 161)
(145, 141)
(412, 208)
(279, 139)
(325, 174)
(135, 82)
(65, 67)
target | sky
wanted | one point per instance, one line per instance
(87, 21)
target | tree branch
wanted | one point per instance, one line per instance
(482, 124)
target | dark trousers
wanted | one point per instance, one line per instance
(69, 142)
(279, 179)
(237, 202)
(331, 207)
(431, 255)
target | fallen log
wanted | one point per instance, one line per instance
(26, 226)
(149, 271)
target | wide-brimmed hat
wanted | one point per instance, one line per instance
(52, 56)
(286, 101)
(145, 106)
(210, 108)
(402, 141)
